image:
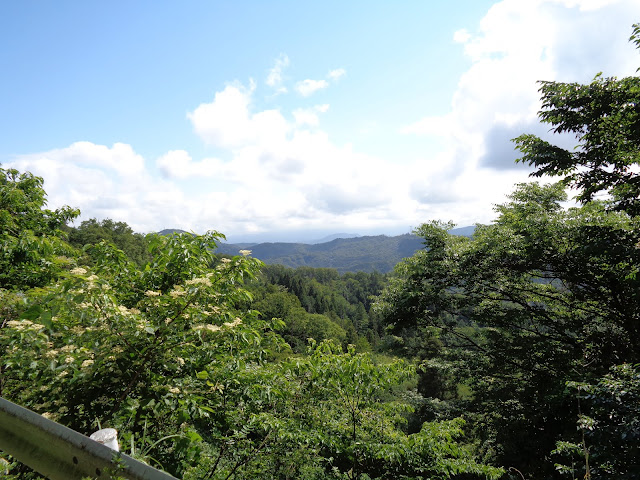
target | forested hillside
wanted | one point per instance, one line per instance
(355, 254)
(362, 254)
(511, 354)
(322, 304)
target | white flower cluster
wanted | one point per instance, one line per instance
(208, 327)
(21, 325)
(237, 321)
(177, 292)
(199, 281)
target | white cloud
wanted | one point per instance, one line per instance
(443, 126)
(305, 116)
(274, 78)
(586, 5)
(178, 164)
(224, 121)
(309, 116)
(120, 160)
(289, 174)
(102, 181)
(461, 36)
(517, 44)
(336, 73)
(228, 123)
(282, 171)
(309, 87)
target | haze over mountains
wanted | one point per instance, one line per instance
(342, 251)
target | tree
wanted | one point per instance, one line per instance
(605, 117)
(541, 297)
(344, 299)
(607, 444)
(544, 297)
(350, 402)
(32, 246)
(92, 231)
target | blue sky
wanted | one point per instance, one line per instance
(288, 119)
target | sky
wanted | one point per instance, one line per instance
(289, 120)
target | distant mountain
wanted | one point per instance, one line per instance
(346, 252)
(334, 236)
(463, 231)
(367, 254)
(171, 231)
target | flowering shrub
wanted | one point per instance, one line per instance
(129, 348)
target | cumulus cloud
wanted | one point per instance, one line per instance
(497, 99)
(274, 78)
(278, 160)
(442, 126)
(103, 181)
(309, 87)
(306, 116)
(120, 161)
(179, 164)
(228, 123)
(517, 44)
(280, 170)
(461, 36)
(309, 116)
(336, 74)
(339, 200)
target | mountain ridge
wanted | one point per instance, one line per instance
(366, 253)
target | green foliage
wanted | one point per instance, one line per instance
(608, 440)
(32, 247)
(320, 303)
(137, 349)
(349, 403)
(542, 296)
(174, 358)
(604, 116)
(92, 232)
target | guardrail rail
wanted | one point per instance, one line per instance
(59, 453)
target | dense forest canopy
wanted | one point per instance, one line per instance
(511, 354)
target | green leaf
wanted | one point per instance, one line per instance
(46, 319)
(32, 313)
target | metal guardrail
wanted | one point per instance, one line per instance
(60, 453)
